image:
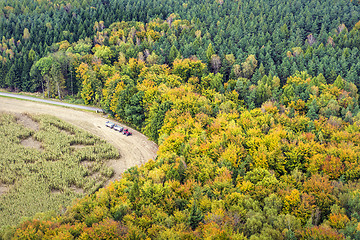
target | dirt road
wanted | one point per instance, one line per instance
(134, 150)
(59, 103)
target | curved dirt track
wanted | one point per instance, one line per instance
(134, 150)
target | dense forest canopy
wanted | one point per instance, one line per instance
(254, 105)
(284, 36)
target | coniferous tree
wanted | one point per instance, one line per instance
(10, 78)
(313, 109)
(173, 54)
(196, 216)
(209, 52)
(2, 75)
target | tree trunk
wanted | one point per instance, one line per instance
(72, 85)
(42, 87)
(48, 86)
(58, 88)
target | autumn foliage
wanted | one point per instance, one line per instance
(237, 159)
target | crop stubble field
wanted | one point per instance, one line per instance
(45, 163)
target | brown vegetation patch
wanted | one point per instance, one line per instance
(3, 189)
(56, 191)
(26, 121)
(96, 176)
(32, 143)
(86, 164)
(67, 132)
(77, 189)
(78, 146)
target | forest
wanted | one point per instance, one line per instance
(254, 106)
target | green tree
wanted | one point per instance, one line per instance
(3, 73)
(156, 119)
(173, 54)
(26, 34)
(44, 65)
(104, 53)
(313, 109)
(209, 52)
(353, 76)
(196, 216)
(10, 78)
(248, 67)
(339, 82)
(134, 110)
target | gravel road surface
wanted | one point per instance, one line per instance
(49, 101)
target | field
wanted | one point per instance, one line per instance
(46, 163)
(134, 150)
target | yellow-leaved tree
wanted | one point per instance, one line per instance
(90, 91)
